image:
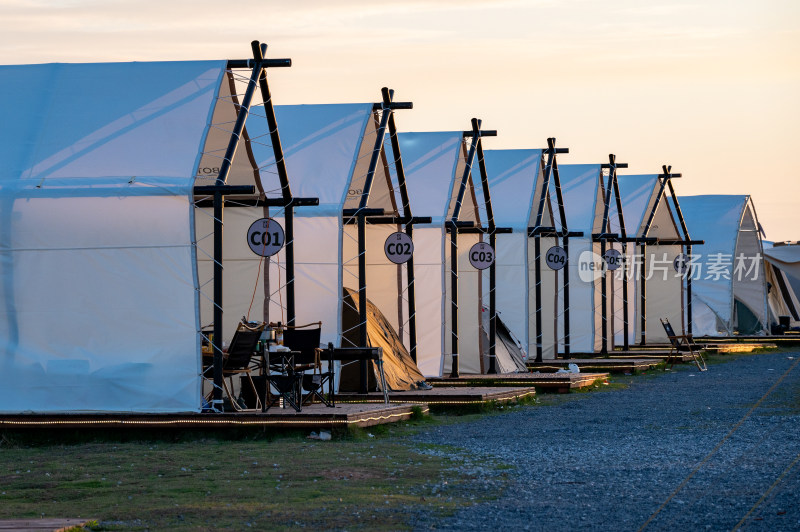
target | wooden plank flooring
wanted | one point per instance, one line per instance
(610, 365)
(560, 382)
(442, 395)
(315, 416)
(41, 525)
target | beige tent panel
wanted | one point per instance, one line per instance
(400, 370)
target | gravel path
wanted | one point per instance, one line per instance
(609, 461)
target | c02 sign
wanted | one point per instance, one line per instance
(399, 248)
(265, 237)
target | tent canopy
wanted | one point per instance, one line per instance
(580, 187)
(327, 150)
(516, 180)
(731, 284)
(98, 304)
(434, 164)
(663, 286)
(513, 179)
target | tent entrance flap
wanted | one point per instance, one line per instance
(400, 370)
(508, 354)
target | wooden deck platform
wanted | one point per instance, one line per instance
(603, 365)
(312, 416)
(41, 525)
(558, 382)
(440, 396)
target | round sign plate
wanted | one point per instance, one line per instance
(481, 256)
(556, 258)
(680, 264)
(398, 248)
(613, 259)
(265, 237)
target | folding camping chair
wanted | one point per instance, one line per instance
(681, 343)
(305, 342)
(237, 361)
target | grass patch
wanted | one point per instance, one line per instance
(363, 479)
(289, 482)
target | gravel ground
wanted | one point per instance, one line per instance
(610, 460)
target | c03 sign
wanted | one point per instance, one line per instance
(481, 256)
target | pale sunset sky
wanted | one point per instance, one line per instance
(711, 87)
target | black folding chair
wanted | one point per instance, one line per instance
(237, 361)
(305, 342)
(682, 343)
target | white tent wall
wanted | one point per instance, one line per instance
(322, 146)
(434, 164)
(786, 257)
(99, 306)
(549, 279)
(382, 275)
(469, 279)
(549, 313)
(583, 203)
(512, 181)
(664, 286)
(511, 280)
(469, 310)
(749, 279)
(781, 295)
(664, 294)
(430, 163)
(584, 297)
(429, 280)
(728, 225)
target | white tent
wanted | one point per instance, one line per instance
(99, 279)
(648, 214)
(584, 190)
(515, 178)
(434, 165)
(782, 266)
(729, 292)
(327, 149)
(582, 187)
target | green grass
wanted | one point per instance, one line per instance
(361, 480)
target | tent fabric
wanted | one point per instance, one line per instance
(321, 145)
(509, 355)
(581, 190)
(327, 149)
(399, 369)
(781, 294)
(516, 181)
(512, 181)
(785, 257)
(730, 267)
(434, 163)
(99, 301)
(664, 287)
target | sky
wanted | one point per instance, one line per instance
(711, 88)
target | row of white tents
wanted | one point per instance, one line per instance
(114, 268)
